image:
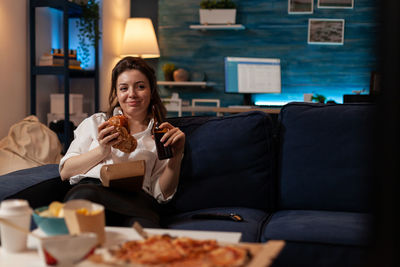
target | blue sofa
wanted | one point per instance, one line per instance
(304, 177)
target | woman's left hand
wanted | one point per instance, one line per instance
(173, 137)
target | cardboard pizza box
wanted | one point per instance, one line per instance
(126, 176)
(263, 255)
(83, 216)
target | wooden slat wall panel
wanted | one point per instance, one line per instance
(332, 70)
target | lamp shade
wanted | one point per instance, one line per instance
(140, 39)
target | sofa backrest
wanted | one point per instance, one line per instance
(228, 162)
(325, 160)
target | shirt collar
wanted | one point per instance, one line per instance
(117, 111)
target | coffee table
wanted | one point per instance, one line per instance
(114, 235)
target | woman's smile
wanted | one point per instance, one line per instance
(134, 103)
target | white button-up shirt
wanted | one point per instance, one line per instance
(85, 139)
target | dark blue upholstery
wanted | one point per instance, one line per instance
(250, 228)
(307, 254)
(14, 182)
(329, 227)
(39, 185)
(306, 180)
(326, 156)
(228, 162)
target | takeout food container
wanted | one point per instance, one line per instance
(126, 176)
(49, 225)
(85, 216)
(66, 250)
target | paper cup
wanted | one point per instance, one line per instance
(18, 212)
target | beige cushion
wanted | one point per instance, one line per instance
(29, 144)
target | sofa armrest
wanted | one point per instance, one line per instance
(38, 185)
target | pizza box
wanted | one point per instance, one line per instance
(263, 255)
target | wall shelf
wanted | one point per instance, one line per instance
(70, 10)
(73, 9)
(60, 70)
(218, 27)
(188, 83)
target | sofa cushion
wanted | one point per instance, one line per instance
(38, 185)
(250, 227)
(302, 254)
(326, 156)
(228, 162)
(328, 227)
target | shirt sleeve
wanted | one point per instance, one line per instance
(158, 170)
(84, 135)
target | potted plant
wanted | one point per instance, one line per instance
(217, 12)
(318, 98)
(168, 69)
(88, 28)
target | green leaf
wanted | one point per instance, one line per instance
(212, 4)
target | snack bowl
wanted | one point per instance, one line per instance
(49, 225)
(66, 250)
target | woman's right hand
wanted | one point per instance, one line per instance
(106, 138)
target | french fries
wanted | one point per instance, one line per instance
(85, 211)
(56, 209)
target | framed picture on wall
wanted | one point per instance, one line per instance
(335, 3)
(300, 6)
(326, 31)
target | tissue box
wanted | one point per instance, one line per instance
(57, 103)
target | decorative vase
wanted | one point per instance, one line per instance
(181, 75)
(217, 16)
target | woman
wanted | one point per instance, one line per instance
(133, 94)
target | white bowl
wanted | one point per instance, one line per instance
(66, 250)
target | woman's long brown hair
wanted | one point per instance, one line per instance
(136, 63)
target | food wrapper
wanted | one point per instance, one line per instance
(127, 176)
(84, 216)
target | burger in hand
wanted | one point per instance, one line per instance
(127, 143)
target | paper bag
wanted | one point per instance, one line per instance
(127, 176)
(78, 222)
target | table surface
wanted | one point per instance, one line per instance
(114, 236)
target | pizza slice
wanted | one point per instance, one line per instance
(167, 251)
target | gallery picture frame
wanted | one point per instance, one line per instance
(326, 31)
(300, 6)
(346, 4)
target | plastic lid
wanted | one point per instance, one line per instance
(14, 207)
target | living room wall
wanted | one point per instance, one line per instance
(330, 70)
(13, 68)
